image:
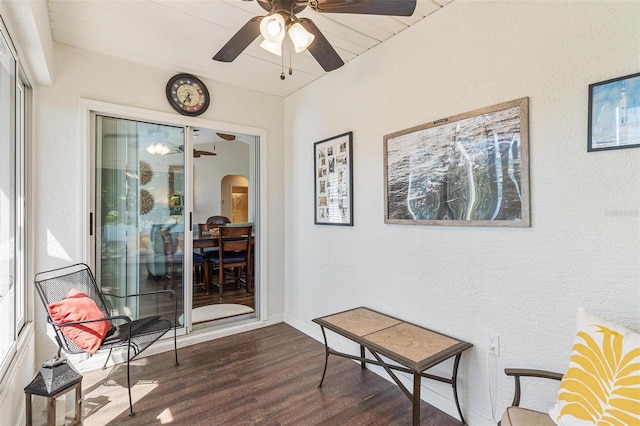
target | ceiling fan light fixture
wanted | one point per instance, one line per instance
(158, 149)
(272, 28)
(275, 48)
(300, 37)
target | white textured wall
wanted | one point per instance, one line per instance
(57, 158)
(232, 159)
(583, 247)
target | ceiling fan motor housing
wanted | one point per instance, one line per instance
(284, 7)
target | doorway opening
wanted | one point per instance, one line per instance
(239, 204)
(224, 195)
(234, 190)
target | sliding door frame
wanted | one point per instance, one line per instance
(90, 108)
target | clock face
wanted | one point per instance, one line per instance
(187, 94)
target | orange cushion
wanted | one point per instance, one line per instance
(77, 306)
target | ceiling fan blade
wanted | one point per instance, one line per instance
(366, 7)
(240, 40)
(197, 153)
(226, 136)
(178, 150)
(121, 135)
(321, 49)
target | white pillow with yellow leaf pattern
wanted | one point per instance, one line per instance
(602, 384)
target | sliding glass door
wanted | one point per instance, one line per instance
(148, 201)
(139, 220)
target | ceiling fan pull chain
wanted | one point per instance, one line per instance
(290, 67)
(282, 77)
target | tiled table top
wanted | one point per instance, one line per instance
(413, 346)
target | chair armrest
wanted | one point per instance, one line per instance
(172, 293)
(516, 373)
(66, 324)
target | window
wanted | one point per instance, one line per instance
(13, 100)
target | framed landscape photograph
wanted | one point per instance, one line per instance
(471, 169)
(333, 169)
(614, 114)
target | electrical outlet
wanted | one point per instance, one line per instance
(494, 344)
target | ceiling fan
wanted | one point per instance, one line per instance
(163, 149)
(226, 136)
(303, 32)
(197, 153)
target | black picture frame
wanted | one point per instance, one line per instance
(333, 189)
(614, 114)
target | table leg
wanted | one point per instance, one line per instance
(77, 419)
(29, 412)
(207, 283)
(326, 356)
(454, 380)
(51, 411)
(417, 378)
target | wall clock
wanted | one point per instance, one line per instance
(187, 94)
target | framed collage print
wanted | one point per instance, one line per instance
(333, 168)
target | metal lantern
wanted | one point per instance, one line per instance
(55, 379)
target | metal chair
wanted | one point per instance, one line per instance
(135, 335)
(518, 416)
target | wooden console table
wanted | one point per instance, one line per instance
(415, 348)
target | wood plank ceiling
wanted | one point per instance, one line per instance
(183, 35)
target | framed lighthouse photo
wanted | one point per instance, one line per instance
(614, 114)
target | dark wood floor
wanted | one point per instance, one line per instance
(263, 377)
(163, 305)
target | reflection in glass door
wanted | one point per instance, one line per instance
(139, 221)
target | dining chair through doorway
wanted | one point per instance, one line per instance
(206, 230)
(209, 227)
(218, 220)
(234, 254)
